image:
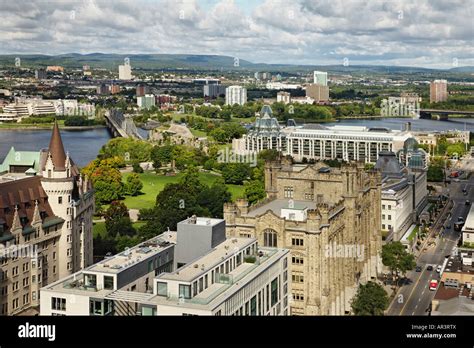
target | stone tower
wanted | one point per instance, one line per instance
(71, 199)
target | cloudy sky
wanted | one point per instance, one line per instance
(427, 33)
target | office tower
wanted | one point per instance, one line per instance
(213, 90)
(320, 93)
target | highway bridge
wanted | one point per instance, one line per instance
(443, 114)
(121, 125)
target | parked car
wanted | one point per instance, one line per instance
(438, 269)
(418, 268)
(429, 268)
(468, 202)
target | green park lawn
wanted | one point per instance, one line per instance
(153, 184)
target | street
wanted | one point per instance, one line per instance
(415, 298)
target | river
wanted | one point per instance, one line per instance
(83, 145)
(416, 124)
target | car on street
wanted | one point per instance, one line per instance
(468, 202)
(418, 268)
(438, 269)
(448, 225)
(429, 268)
(433, 284)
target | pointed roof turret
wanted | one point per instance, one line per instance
(56, 148)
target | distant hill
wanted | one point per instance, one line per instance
(204, 62)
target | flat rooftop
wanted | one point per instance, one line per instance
(201, 221)
(469, 224)
(129, 257)
(204, 264)
(455, 263)
(353, 131)
(217, 292)
(278, 204)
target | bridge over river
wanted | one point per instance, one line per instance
(120, 125)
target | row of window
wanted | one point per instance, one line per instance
(217, 275)
(270, 239)
(389, 217)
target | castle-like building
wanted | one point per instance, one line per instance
(329, 218)
(46, 210)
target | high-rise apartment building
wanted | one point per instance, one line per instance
(125, 72)
(235, 95)
(320, 78)
(438, 91)
(147, 101)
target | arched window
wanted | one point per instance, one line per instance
(270, 238)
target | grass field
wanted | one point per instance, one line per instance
(153, 184)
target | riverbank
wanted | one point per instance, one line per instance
(21, 127)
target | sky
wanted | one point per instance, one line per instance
(423, 33)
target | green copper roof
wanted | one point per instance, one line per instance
(21, 158)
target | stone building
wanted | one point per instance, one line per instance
(329, 218)
(46, 213)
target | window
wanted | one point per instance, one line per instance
(162, 288)
(383, 226)
(383, 216)
(298, 296)
(389, 217)
(297, 278)
(253, 305)
(389, 207)
(297, 260)
(58, 304)
(150, 266)
(108, 282)
(297, 241)
(270, 238)
(288, 191)
(60, 200)
(383, 206)
(274, 294)
(201, 284)
(184, 291)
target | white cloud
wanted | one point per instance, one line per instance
(425, 32)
